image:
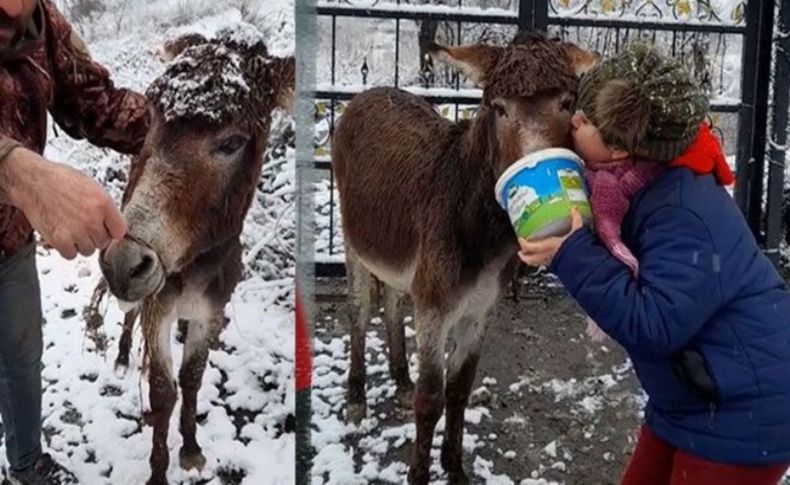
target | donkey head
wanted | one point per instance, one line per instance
(191, 186)
(529, 92)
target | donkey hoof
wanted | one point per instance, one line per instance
(191, 460)
(355, 413)
(148, 418)
(405, 396)
(156, 481)
(452, 462)
(457, 477)
(120, 369)
(419, 476)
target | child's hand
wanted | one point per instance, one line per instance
(540, 253)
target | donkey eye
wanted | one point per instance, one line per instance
(566, 104)
(499, 109)
(231, 144)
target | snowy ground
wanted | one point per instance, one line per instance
(92, 418)
(548, 406)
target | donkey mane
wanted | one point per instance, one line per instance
(539, 66)
(478, 154)
(530, 36)
(215, 81)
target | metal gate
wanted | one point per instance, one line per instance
(710, 41)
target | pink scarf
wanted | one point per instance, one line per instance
(612, 185)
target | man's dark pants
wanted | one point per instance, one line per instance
(20, 357)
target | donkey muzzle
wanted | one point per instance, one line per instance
(132, 269)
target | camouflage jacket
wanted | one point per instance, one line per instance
(49, 69)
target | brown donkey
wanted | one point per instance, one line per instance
(418, 212)
(185, 204)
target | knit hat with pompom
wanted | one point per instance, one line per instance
(643, 102)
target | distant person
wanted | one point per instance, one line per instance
(676, 277)
(45, 67)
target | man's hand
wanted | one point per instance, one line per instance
(540, 253)
(69, 209)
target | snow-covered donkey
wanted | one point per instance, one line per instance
(417, 199)
(186, 200)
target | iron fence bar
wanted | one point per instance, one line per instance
(397, 51)
(437, 99)
(334, 46)
(457, 77)
(526, 14)
(327, 269)
(468, 99)
(523, 19)
(331, 131)
(777, 149)
(397, 46)
(603, 23)
(541, 19)
(752, 121)
(458, 42)
(418, 13)
(333, 107)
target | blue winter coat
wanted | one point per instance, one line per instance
(706, 324)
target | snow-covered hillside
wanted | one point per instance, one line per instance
(92, 418)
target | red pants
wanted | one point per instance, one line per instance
(658, 463)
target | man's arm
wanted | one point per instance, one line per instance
(6, 146)
(8, 177)
(86, 103)
(69, 209)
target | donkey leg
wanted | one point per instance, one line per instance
(196, 349)
(162, 393)
(461, 369)
(396, 344)
(125, 344)
(429, 392)
(362, 294)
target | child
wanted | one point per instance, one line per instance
(676, 277)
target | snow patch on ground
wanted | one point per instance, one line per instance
(378, 450)
(377, 440)
(92, 418)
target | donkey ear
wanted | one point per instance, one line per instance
(475, 60)
(580, 59)
(283, 71)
